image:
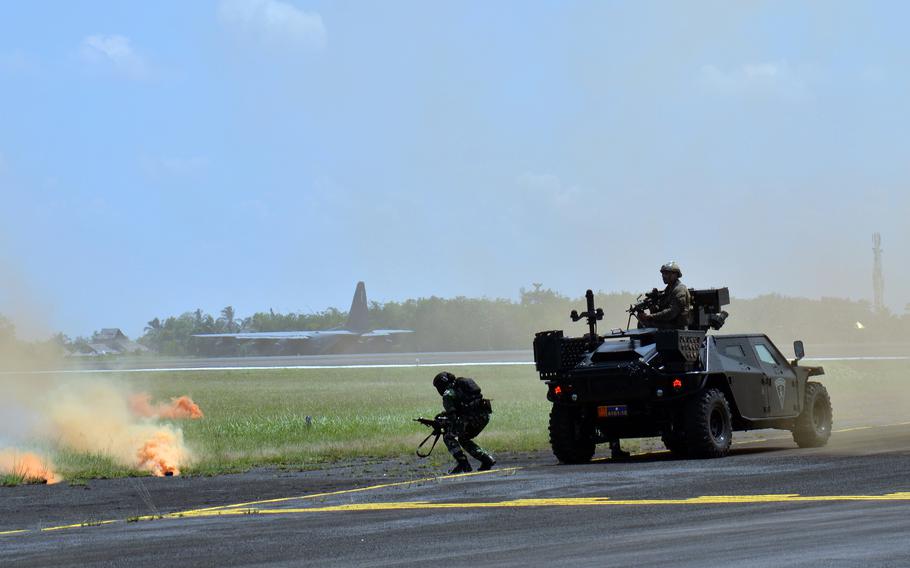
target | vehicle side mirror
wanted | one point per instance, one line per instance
(799, 350)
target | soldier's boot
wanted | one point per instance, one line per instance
(485, 458)
(487, 461)
(616, 451)
(462, 466)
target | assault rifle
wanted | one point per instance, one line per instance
(438, 425)
(649, 302)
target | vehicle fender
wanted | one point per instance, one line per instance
(814, 371)
(720, 381)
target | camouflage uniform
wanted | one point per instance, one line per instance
(673, 308)
(464, 421)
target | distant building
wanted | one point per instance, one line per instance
(102, 349)
(109, 341)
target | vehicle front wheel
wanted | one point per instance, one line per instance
(813, 425)
(709, 425)
(571, 436)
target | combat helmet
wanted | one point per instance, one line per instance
(672, 266)
(443, 380)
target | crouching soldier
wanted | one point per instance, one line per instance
(466, 414)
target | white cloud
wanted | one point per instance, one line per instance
(769, 79)
(114, 53)
(273, 24)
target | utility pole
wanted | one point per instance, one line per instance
(878, 280)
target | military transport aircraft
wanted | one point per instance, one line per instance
(356, 335)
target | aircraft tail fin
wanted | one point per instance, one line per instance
(358, 317)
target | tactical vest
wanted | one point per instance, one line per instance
(470, 399)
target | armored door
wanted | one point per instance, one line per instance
(745, 374)
(779, 379)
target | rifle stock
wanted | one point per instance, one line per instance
(437, 427)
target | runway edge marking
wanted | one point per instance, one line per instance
(516, 503)
(572, 502)
(208, 510)
(83, 525)
(238, 508)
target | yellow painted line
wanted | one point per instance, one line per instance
(522, 503)
(238, 508)
(580, 502)
(195, 512)
(246, 508)
(346, 491)
(84, 525)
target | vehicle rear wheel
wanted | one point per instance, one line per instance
(813, 425)
(571, 436)
(709, 426)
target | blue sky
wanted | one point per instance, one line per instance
(158, 157)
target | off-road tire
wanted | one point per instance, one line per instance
(709, 425)
(813, 425)
(571, 437)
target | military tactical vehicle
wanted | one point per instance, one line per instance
(691, 388)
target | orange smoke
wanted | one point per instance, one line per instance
(162, 454)
(181, 407)
(97, 416)
(30, 467)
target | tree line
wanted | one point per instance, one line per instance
(467, 324)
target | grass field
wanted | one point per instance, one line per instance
(255, 418)
(258, 418)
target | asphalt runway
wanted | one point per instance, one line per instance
(768, 504)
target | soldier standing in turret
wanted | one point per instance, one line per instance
(672, 312)
(673, 306)
(466, 414)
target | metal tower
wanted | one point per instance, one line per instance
(878, 280)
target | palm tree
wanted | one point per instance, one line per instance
(152, 337)
(227, 321)
(153, 326)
